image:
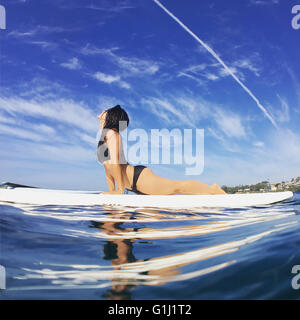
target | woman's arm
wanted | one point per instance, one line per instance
(113, 144)
(110, 181)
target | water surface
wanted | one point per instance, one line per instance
(97, 252)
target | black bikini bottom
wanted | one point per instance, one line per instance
(136, 173)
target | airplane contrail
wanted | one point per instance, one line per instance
(213, 53)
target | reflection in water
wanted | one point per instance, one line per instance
(119, 251)
(121, 228)
(158, 271)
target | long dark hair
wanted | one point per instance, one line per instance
(113, 116)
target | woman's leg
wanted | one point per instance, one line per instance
(197, 187)
(150, 183)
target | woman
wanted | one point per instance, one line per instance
(138, 179)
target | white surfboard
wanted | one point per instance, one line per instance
(89, 198)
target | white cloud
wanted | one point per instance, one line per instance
(41, 142)
(44, 44)
(264, 2)
(90, 50)
(230, 123)
(276, 160)
(211, 76)
(37, 35)
(65, 153)
(107, 78)
(296, 85)
(19, 34)
(156, 109)
(227, 144)
(184, 74)
(196, 108)
(62, 111)
(231, 70)
(285, 146)
(121, 6)
(125, 85)
(137, 66)
(223, 125)
(258, 144)
(39, 89)
(6, 119)
(248, 65)
(173, 109)
(17, 127)
(20, 133)
(88, 139)
(106, 101)
(72, 64)
(215, 71)
(30, 131)
(196, 68)
(210, 72)
(36, 149)
(283, 114)
(38, 30)
(131, 65)
(44, 129)
(221, 62)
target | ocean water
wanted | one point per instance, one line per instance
(66, 252)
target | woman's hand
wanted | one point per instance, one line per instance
(102, 117)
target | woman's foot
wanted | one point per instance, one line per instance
(217, 189)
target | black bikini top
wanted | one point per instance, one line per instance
(102, 150)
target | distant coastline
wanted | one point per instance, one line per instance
(266, 186)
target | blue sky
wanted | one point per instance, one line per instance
(63, 62)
